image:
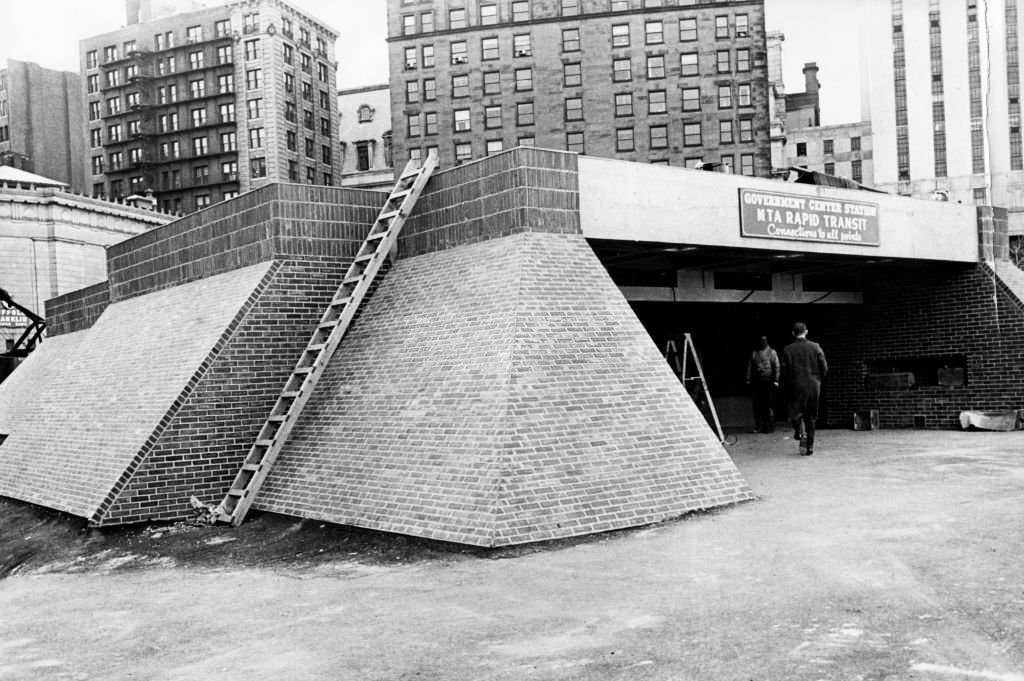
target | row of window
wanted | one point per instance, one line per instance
(726, 27)
(196, 34)
(827, 146)
(520, 10)
(625, 142)
(726, 61)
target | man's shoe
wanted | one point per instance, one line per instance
(808, 452)
(803, 446)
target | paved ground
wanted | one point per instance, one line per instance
(887, 555)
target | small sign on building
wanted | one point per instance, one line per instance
(796, 217)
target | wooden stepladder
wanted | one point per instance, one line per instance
(379, 243)
(681, 363)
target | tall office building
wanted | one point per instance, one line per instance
(41, 122)
(660, 81)
(201, 105)
(943, 97)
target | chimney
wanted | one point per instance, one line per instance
(811, 84)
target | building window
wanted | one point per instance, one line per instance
(116, 160)
(362, 156)
(746, 130)
(310, 148)
(743, 60)
(461, 119)
(572, 74)
(97, 165)
(307, 91)
(624, 139)
(308, 120)
(691, 99)
(492, 116)
(306, 63)
(492, 83)
(457, 18)
(258, 167)
(460, 86)
(458, 53)
(524, 79)
(574, 142)
(195, 60)
(226, 83)
(325, 126)
(855, 144)
(742, 26)
(199, 146)
(657, 102)
(489, 49)
(289, 83)
(429, 89)
(290, 112)
(412, 125)
(721, 27)
(724, 96)
(620, 35)
(91, 60)
(687, 29)
(801, 148)
(426, 23)
(93, 83)
(743, 94)
(252, 49)
(659, 136)
(856, 171)
(251, 22)
(828, 146)
(428, 56)
(193, 34)
(255, 138)
(619, 5)
(570, 8)
(520, 10)
(527, 141)
(253, 108)
(688, 65)
(570, 40)
(94, 111)
(463, 152)
(691, 134)
(197, 89)
(653, 33)
(293, 171)
(201, 175)
(522, 45)
(95, 137)
(725, 132)
(227, 112)
(655, 66)
(408, 24)
(198, 117)
(574, 109)
(622, 70)
(113, 78)
(224, 54)
(524, 113)
(830, 168)
(134, 128)
(291, 140)
(723, 61)
(221, 29)
(228, 142)
(746, 164)
(229, 171)
(412, 91)
(430, 123)
(110, 53)
(493, 147)
(114, 106)
(252, 79)
(488, 15)
(624, 104)
(410, 58)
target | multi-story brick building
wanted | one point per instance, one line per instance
(202, 105)
(364, 129)
(660, 81)
(41, 122)
(843, 150)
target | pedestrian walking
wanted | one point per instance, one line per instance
(803, 368)
(763, 379)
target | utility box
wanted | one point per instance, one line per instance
(865, 420)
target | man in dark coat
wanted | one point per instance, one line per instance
(803, 368)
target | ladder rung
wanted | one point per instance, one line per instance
(378, 235)
(327, 325)
(250, 466)
(303, 370)
(264, 443)
(400, 194)
(277, 418)
(290, 394)
(366, 257)
(316, 347)
(387, 216)
(236, 492)
(353, 280)
(410, 175)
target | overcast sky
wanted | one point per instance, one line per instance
(822, 31)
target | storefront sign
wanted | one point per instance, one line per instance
(773, 215)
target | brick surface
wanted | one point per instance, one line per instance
(495, 393)
(21, 392)
(114, 391)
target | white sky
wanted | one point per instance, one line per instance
(822, 31)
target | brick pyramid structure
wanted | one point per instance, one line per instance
(496, 393)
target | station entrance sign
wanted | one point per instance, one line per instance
(796, 217)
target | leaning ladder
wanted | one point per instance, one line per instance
(679, 362)
(379, 242)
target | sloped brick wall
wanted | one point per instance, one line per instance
(496, 393)
(26, 387)
(114, 391)
(206, 439)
